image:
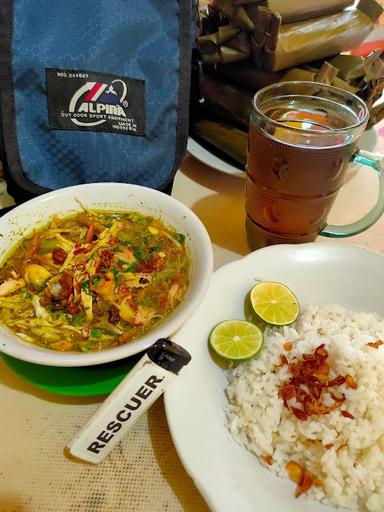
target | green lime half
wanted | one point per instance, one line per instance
(236, 340)
(274, 303)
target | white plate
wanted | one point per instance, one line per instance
(227, 475)
(368, 142)
(207, 157)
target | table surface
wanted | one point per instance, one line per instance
(144, 473)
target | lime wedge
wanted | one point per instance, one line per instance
(236, 340)
(274, 303)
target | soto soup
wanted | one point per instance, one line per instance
(94, 280)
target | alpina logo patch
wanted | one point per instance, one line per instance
(86, 100)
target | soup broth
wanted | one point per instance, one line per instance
(93, 281)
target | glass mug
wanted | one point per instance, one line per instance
(302, 136)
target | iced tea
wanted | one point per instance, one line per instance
(299, 150)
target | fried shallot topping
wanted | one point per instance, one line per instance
(376, 344)
(350, 382)
(267, 459)
(297, 473)
(310, 390)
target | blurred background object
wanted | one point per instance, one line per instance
(244, 45)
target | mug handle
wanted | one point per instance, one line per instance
(375, 161)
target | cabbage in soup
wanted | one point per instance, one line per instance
(93, 281)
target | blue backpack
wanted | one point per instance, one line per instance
(93, 91)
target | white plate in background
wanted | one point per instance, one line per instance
(368, 142)
(207, 157)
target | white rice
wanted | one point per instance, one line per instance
(352, 476)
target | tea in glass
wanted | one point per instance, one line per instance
(302, 136)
